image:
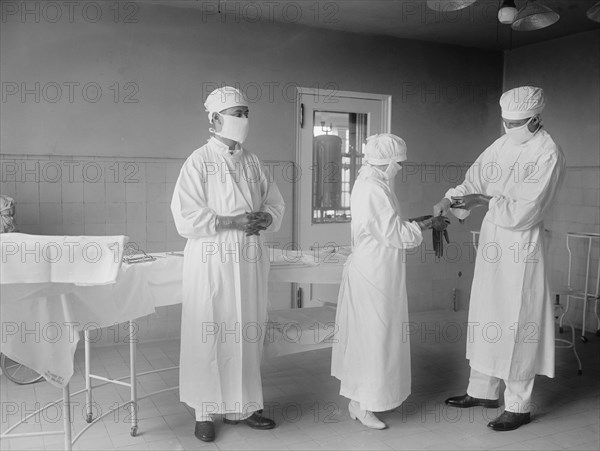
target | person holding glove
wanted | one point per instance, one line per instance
(517, 179)
(222, 200)
(371, 352)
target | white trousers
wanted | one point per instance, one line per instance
(517, 396)
(229, 416)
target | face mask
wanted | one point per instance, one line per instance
(391, 171)
(521, 134)
(234, 128)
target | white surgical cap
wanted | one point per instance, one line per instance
(522, 103)
(383, 148)
(222, 98)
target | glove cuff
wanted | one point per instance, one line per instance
(224, 223)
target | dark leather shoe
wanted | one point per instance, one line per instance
(255, 421)
(509, 421)
(205, 431)
(465, 401)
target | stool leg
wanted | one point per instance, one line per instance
(88, 380)
(67, 418)
(133, 378)
(562, 317)
(597, 317)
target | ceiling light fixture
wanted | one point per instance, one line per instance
(508, 12)
(449, 5)
(594, 13)
(534, 16)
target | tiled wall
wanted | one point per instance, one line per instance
(132, 196)
(431, 282)
(577, 210)
(63, 195)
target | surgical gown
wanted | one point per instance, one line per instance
(371, 350)
(511, 326)
(224, 279)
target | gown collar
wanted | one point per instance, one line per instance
(224, 149)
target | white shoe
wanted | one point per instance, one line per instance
(366, 417)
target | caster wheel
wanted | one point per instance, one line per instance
(579, 372)
(584, 339)
(134, 431)
(560, 330)
(89, 418)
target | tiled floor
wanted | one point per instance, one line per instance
(303, 398)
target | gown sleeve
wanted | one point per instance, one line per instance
(384, 222)
(535, 195)
(272, 200)
(193, 218)
(474, 183)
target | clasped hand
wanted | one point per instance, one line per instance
(252, 223)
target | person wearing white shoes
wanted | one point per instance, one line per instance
(371, 354)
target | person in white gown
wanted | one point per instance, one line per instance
(222, 200)
(371, 352)
(511, 327)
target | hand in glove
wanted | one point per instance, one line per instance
(442, 207)
(259, 220)
(470, 201)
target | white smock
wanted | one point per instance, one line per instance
(511, 327)
(371, 350)
(224, 279)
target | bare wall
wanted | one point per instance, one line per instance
(154, 73)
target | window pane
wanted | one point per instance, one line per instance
(337, 155)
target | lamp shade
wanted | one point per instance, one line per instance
(594, 13)
(449, 5)
(534, 16)
(508, 12)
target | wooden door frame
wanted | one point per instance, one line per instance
(386, 122)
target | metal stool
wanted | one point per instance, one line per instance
(584, 294)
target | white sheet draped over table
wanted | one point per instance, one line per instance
(42, 319)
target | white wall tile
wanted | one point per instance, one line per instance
(135, 192)
(115, 192)
(72, 192)
(116, 229)
(73, 229)
(8, 189)
(51, 213)
(157, 212)
(50, 192)
(116, 213)
(72, 213)
(156, 232)
(27, 192)
(94, 192)
(157, 192)
(27, 214)
(156, 172)
(136, 212)
(94, 213)
(95, 229)
(172, 171)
